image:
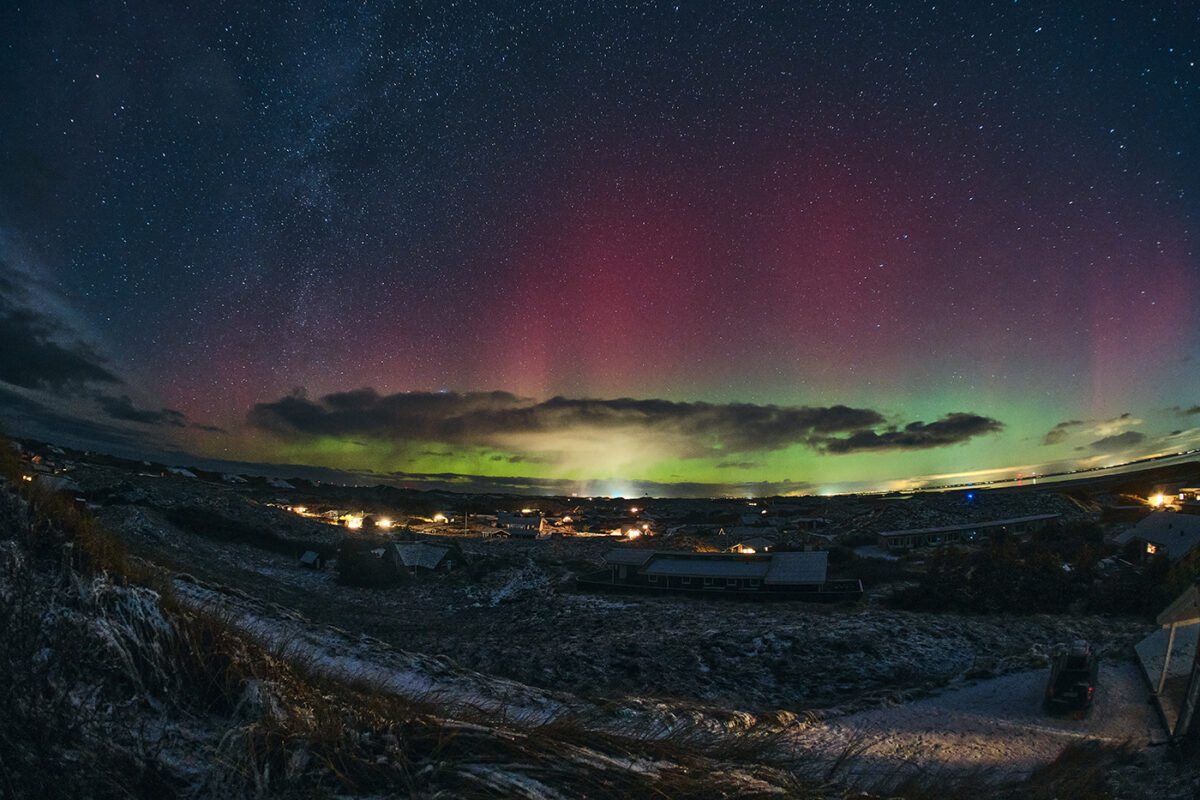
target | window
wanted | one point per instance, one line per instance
(752, 583)
(1151, 549)
(686, 581)
(731, 582)
(708, 581)
(652, 578)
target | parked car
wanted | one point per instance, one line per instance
(1072, 684)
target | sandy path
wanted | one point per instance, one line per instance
(995, 725)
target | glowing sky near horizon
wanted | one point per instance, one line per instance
(976, 223)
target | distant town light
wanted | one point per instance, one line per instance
(566, 519)
(383, 522)
(633, 533)
(633, 510)
(526, 510)
(439, 517)
(354, 522)
(1158, 500)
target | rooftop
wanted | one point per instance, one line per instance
(968, 526)
(1176, 533)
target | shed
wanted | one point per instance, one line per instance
(312, 559)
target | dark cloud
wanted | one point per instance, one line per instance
(33, 355)
(949, 430)
(477, 418)
(457, 482)
(1189, 411)
(1060, 431)
(20, 415)
(1119, 442)
(698, 429)
(122, 408)
(737, 465)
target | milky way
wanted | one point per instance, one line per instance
(644, 243)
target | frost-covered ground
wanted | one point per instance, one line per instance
(995, 725)
(898, 690)
(519, 617)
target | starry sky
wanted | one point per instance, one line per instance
(604, 248)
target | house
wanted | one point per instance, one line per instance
(959, 534)
(755, 544)
(779, 575)
(1175, 535)
(415, 556)
(520, 524)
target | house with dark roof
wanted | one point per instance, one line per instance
(414, 556)
(520, 524)
(963, 533)
(778, 575)
(1174, 535)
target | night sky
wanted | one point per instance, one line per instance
(604, 248)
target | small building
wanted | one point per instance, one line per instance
(1175, 535)
(755, 544)
(520, 524)
(415, 556)
(780, 575)
(312, 560)
(890, 541)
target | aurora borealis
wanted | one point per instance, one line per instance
(600, 248)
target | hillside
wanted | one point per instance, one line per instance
(129, 680)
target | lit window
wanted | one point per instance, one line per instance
(1151, 549)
